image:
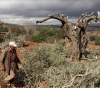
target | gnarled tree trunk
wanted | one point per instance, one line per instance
(77, 33)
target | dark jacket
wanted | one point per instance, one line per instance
(7, 64)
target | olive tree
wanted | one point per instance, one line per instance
(77, 33)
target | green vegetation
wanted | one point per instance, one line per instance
(53, 64)
(92, 38)
(13, 31)
(32, 33)
(3, 29)
(95, 38)
(46, 34)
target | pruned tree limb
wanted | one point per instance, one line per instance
(70, 83)
(84, 16)
(60, 18)
(80, 18)
(87, 15)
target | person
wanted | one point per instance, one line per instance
(10, 61)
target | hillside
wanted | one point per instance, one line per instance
(26, 51)
(48, 63)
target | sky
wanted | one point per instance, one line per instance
(21, 11)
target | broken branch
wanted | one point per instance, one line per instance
(69, 84)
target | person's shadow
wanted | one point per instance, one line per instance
(19, 80)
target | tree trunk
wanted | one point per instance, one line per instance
(75, 34)
(75, 47)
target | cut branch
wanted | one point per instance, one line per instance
(70, 83)
(83, 16)
(87, 15)
(94, 18)
(80, 18)
(60, 18)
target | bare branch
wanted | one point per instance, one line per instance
(80, 18)
(83, 16)
(92, 13)
(60, 18)
(58, 14)
(89, 20)
(87, 15)
(94, 18)
(98, 12)
(69, 84)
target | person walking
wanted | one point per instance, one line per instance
(10, 61)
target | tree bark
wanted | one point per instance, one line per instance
(75, 34)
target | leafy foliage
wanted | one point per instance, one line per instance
(45, 33)
(92, 38)
(40, 59)
(95, 38)
(3, 29)
(16, 30)
(51, 63)
(97, 42)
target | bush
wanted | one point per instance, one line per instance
(20, 40)
(49, 62)
(96, 39)
(38, 38)
(92, 38)
(43, 58)
(3, 29)
(44, 33)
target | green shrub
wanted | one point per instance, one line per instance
(45, 33)
(3, 29)
(95, 38)
(92, 38)
(97, 41)
(51, 62)
(35, 64)
(38, 38)
(41, 58)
